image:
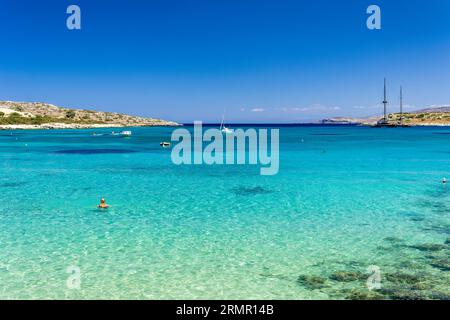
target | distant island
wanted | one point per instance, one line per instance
(38, 115)
(437, 116)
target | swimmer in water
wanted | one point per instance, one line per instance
(444, 180)
(103, 204)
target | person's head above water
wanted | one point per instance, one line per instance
(103, 204)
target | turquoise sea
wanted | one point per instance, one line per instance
(345, 198)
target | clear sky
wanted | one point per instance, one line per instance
(262, 61)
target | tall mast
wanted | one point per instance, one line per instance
(223, 119)
(385, 102)
(401, 105)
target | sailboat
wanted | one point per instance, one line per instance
(384, 121)
(224, 129)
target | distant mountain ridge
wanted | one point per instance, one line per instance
(35, 115)
(442, 109)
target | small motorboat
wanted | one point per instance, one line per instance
(165, 144)
(125, 133)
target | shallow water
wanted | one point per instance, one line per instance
(345, 198)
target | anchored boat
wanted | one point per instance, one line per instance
(224, 129)
(125, 133)
(384, 122)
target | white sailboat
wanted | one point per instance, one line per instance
(224, 129)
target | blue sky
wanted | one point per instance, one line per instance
(262, 61)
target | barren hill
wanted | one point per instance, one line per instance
(35, 115)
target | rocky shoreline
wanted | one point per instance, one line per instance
(56, 126)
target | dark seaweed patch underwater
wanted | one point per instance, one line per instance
(95, 151)
(12, 184)
(250, 191)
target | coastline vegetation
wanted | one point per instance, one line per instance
(419, 118)
(16, 119)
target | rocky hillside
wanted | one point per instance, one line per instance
(38, 114)
(422, 118)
